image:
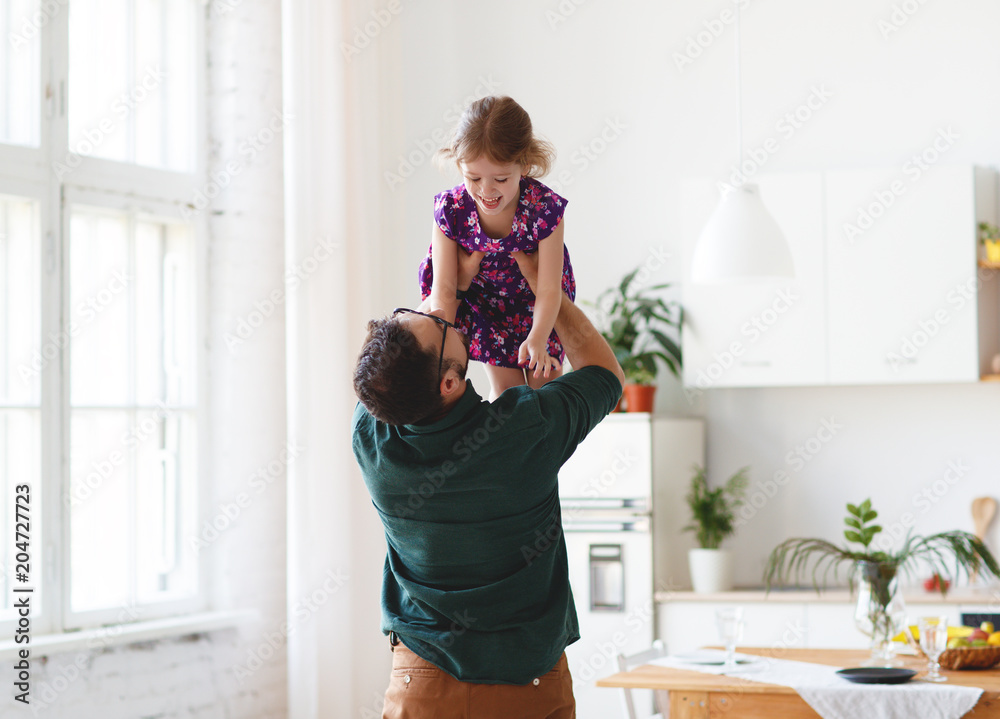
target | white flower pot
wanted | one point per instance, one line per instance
(711, 570)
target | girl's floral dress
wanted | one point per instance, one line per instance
(497, 310)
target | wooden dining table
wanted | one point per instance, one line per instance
(699, 695)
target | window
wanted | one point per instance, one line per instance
(101, 304)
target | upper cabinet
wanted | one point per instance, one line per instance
(887, 288)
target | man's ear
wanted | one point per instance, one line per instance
(450, 383)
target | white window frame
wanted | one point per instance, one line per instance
(28, 172)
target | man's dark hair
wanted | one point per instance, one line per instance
(396, 378)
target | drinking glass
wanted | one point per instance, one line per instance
(730, 624)
(934, 640)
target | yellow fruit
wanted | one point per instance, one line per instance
(994, 639)
(953, 632)
(987, 627)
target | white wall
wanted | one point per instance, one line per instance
(577, 65)
(239, 672)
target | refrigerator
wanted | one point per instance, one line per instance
(619, 494)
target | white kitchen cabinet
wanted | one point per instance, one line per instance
(686, 626)
(887, 288)
(749, 335)
(899, 252)
(793, 619)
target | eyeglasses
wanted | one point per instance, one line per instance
(445, 324)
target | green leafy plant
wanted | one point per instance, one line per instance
(639, 327)
(793, 558)
(714, 510)
(988, 231)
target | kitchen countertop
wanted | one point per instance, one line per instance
(837, 595)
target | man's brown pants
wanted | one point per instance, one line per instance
(419, 690)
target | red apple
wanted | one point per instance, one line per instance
(978, 634)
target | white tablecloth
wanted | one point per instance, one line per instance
(833, 697)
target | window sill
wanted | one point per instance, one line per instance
(100, 637)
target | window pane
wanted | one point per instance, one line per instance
(20, 30)
(99, 308)
(101, 524)
(20, 440)
(165, 507)
(132, 82)
(22, 354)
(133, 452)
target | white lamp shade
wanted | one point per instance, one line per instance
(741, 242)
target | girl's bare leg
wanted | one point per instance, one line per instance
(502, 378)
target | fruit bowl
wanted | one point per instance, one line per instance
(970, 658)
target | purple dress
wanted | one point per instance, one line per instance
(496, 313)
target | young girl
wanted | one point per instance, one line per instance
(500, 209)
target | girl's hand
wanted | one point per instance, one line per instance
(468, 267)
(534, 353)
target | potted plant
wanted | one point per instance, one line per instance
(714, 515)
(639, 327)
(880, 612)
(989, 236)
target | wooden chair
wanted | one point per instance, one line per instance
(633, 660)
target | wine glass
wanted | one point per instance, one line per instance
(730, 624)
(933, 640)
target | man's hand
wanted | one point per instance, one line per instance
(468, 267)
(528, 264)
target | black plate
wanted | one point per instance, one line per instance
(877, 675)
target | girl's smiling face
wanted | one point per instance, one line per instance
(495, 188)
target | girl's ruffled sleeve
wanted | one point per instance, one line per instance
(548, 213)
(444, 214)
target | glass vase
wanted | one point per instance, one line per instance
(880, 612)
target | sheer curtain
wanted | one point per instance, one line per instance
(338, 660)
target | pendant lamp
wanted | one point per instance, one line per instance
(741, 241)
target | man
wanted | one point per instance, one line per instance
(475, 596)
